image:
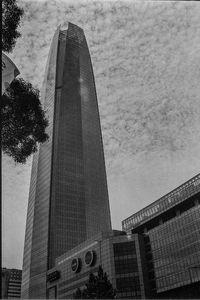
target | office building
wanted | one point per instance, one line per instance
(121, 257)
(171, 230)
(11, 280)
(68, 198)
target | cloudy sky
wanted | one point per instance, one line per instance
(146, 60)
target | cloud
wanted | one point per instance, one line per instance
(145, 64)
(145, 57)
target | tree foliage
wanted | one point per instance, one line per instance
(23, 120)
(98, 287)
(11, 15)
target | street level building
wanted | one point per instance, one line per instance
(11, 280)
(68, 198)
(121, 257)
(171, 230)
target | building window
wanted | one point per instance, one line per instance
(126, 265)
(126, 248)
(128, 284)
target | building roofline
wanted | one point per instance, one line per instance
(167, 201)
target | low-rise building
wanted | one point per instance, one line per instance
(11, 280)
(171, 230)
(121, 257)
(157, 255)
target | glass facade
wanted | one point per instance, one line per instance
(68, 181)
(171, 230)
(126, 270)
(175, 248)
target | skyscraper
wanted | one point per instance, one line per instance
(68, 198)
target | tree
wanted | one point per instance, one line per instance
(77, 294)
(23, 120)
(98, 287)
(11, 15)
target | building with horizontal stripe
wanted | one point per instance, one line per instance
(11, 280)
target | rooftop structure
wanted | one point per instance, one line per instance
(170, 200)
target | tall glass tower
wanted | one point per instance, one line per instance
(68, 198)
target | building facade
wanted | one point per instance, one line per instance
(171, 231)
(121, 257)
(68, 180)
(11, 280)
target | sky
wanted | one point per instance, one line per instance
(145, 57)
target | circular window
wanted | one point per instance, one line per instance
(89, 258)
(75, 265)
